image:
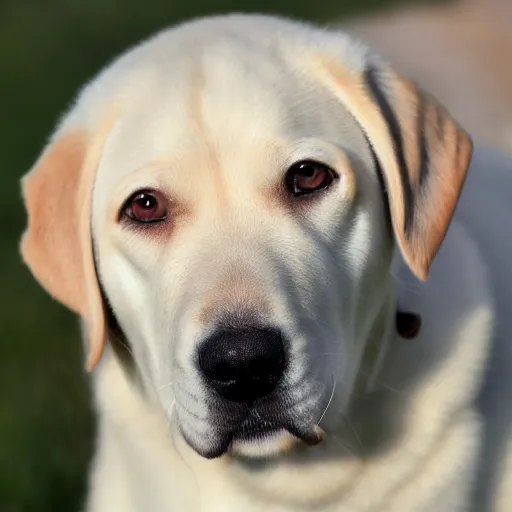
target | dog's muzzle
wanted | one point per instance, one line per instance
(244, 373)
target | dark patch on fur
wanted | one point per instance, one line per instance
(395, 132)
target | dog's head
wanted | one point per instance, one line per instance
(233, 189)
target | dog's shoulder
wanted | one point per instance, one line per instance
(486, 209)
(484, 213)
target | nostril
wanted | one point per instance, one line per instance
(243, 364)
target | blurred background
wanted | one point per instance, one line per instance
(459, 50)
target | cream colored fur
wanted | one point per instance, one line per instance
(204, 112)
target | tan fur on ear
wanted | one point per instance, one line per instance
(57, 243)
(423, 153)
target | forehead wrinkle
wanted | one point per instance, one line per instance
(195, 95)
(196, 109)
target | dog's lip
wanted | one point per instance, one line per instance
(255, 427)
(309, 436)
(255, 431)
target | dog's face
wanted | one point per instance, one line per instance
(236, 222)
(230, 176)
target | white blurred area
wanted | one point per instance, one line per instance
(460, 51)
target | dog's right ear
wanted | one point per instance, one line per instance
(423, 152)
(57, 244)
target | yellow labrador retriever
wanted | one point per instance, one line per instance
(221, 206)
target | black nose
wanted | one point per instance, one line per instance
(243, 364)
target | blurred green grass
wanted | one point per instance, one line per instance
(48, 48)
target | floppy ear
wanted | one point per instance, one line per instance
(423, 153)
(57, 243)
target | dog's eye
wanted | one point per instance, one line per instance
(146, 207)
(307, 176)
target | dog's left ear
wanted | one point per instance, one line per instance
(422, 151)
(57, 244)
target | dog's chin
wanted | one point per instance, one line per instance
(260, 443)
(268, 445)
(272, 442)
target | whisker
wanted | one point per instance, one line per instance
(329, 402)
(139, 368)
(354, 431)
(168, 412)
(385, 385)
(346, 447)
(149, 382)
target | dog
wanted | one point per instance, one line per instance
(293, 273)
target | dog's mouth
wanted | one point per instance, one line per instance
(256, 437)
(269, 427)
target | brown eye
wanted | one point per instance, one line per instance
(146, 207)
(307, 177)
